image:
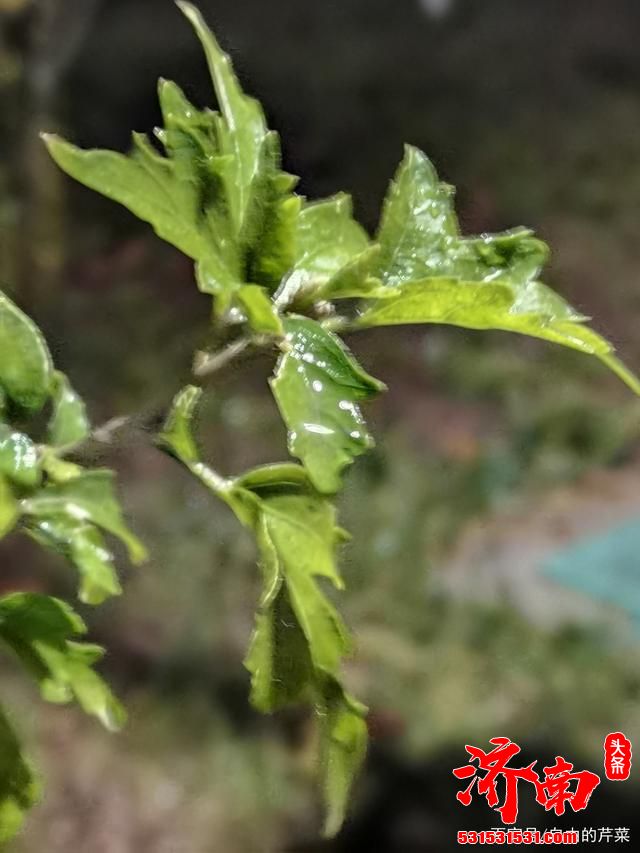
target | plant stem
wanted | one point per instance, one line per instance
(205, 366)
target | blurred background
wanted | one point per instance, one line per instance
(493, 580)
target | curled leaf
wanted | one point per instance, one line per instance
(69, 423)
(434, 275)
(39, 629)
(87, 497)
(332, 254)
(318, 385)
(84, 546)
(343, 748)
(299, 639)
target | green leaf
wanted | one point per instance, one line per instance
(144, 182)
(176, 435)
(69, 423)
(84, 546)
(9, 511)
(275, 251)
(262, 314)
(19, 790)
(317, 385)
(419, 236)
(356, 279)
(295, 527)
(218, 195)
(532, 310)
(19, 457)
(25, 362)
(196, 165)
(297, 535)
(328, 242)
(261, 210)
(242, 134)
(176, 438)
(418, 225)
(187, 213)
(181, 195)
(343, 747)
(440, 300)
(299, 639)
(278, 658)
(490, 282)
(87, 497)
(39, 629)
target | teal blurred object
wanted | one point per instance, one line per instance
(605, 567)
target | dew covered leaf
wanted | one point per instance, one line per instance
(333, 257)
(87, 497)
(241, 133)
(218, 194)
(356, 279)
(318, 385)
(490, 282)
(19, 460)
(83, 545)
(420, 238)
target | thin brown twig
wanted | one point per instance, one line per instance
(205, 366)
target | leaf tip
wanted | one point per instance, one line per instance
(138, 552)
(51, 140)
(113, 717)
(191, 13)
(186, 8)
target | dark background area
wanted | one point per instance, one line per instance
(494, 453)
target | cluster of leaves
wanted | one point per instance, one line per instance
(66, 508)
(286, 273)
